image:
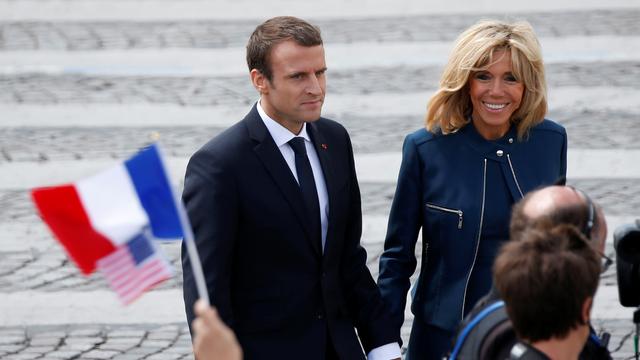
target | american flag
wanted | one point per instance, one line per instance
(135, 267)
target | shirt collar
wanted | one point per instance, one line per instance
(280, 134)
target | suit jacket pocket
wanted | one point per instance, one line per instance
(447, 211)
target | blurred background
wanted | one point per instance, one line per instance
(85, 83)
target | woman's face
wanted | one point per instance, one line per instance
(495, 95)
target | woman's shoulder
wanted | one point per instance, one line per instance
(423, 135)
(549, 126)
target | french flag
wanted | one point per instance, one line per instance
(94, 217)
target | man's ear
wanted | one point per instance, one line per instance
(601, 229)
(259, 81)
(586, 310)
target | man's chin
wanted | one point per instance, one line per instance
(311, 117)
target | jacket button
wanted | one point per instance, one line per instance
(510, 140)
(499, 152)
(320, 316)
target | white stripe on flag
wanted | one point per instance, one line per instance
(128, 280)
(112, 204)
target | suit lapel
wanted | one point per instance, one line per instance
(276, 166)
(322, 146)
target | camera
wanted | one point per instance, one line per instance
(626, 241)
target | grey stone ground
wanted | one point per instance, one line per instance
(236, 90)
(219, 34)
(586, 128)
(31, 262)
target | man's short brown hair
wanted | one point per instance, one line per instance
(274, 31)
(545, 278)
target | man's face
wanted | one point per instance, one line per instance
(295, 93)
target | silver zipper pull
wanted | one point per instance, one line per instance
(459, 219)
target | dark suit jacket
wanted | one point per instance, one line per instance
(269, 281)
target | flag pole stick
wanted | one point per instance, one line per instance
(194, 258)
(192, 250)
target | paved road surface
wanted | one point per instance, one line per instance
(85, 84)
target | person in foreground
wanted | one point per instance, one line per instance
(213, 340)
(558, 205)
(487, 333)
(275, 208)
(549, 274)
(485, 145)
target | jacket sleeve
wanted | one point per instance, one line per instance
(368, 311)
(211, 203)
(398, 261)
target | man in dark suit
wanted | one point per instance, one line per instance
(275, 207)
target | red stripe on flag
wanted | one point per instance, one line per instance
(148, 270)
(116, 264)
(61, 208)
(154, 273)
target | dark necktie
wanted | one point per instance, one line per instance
(307, 185)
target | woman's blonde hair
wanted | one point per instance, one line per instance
(450, 107)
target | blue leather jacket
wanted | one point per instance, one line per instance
(442, 190)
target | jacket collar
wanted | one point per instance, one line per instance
(489, 148)
(279, 133)
(268, 152)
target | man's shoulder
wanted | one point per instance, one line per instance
(235, 136)
(326, 124)
(225, 146)
(231, 137)
(325, 129)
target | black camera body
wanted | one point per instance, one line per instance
(626, 241)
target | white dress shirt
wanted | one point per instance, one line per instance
(281, 137)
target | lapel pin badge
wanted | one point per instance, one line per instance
(324, 146)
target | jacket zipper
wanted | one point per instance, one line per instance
(513, 173)
(453, 211)
(475, 255)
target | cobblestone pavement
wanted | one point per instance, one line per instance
(236, 90)
(48, 269)
(31, 261)
(621, 335)
(116, 342)
(587, 130)
(618, 197)
(130, 342)
(219, 34)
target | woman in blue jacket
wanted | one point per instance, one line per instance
(485, 145)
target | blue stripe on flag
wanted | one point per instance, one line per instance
(152, 185)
